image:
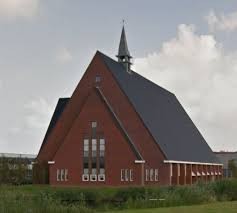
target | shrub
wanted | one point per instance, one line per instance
(225, 189)
(52, 199)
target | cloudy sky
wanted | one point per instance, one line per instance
(188, 47)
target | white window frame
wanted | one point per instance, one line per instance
(66, 174)
(156, 175)
(58, 175)
(147, 175)
(93, 177)
(62, 175)
(122, 175)
(101, 177)
(126, 175)
(151, 174)
(131, 175)
(85, 177)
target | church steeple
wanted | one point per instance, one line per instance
(124, 56)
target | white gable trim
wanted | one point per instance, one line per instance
(189, 162)
(140, 161)
(51, 162)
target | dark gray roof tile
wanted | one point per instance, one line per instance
(163, 115)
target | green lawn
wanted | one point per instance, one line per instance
(221, 207)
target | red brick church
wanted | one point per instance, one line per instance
(120, 129)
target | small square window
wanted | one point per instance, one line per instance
(97, 78)
(93, 124)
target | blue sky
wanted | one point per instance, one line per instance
(189, 47)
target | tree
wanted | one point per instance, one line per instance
(14, 171)
(232, 167)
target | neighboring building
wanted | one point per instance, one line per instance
(120, 129)
(224, 158)
(13, 163)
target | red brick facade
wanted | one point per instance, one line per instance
(64, 147)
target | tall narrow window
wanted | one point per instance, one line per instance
(94, 160)
(126, 174)
(122, 175)
(62, 175)
(151, 174)
(147, 174)
(86, 157)
(131, 175)
(58, 175)
(156, 175)
(93, 126)
(102, 156)
(66, 175)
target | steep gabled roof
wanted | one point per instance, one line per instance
(163, 115)
(62, 102)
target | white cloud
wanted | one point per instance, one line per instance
(222, 22)
(64, 56)
(203, 77)
(18, 8)
(39, 113)
(15, 130)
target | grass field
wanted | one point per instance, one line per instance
(220, 207)
(211, 198)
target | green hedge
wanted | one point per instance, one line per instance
(55, 199)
